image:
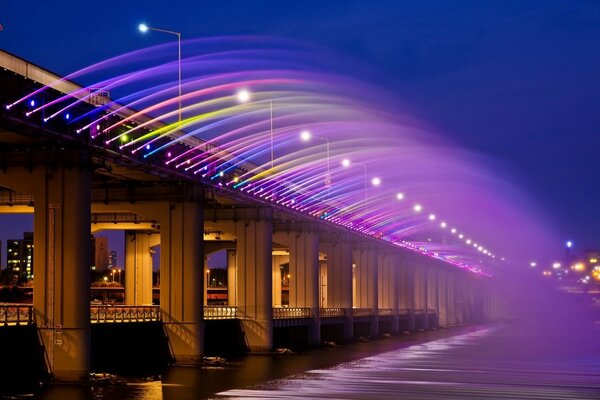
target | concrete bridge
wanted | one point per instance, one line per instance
(73, 186)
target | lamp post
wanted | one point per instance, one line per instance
(145, 28)
(306, 135)
(243, 96)
(375, 181)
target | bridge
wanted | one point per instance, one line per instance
(342, 273)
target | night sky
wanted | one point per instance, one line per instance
(516, 81)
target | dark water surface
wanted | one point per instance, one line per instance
(518, 360)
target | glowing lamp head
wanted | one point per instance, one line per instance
(443, 225)
(147, 147)
(460, 236)
(143, 28)
(533, 264)
(32, 103)
(569, 244)
(432, 217)
(556, 265)
(124, 138)
(305, 135)
(418, 208)
(468, 241)
(345, 163)
(67, 116)
(243, 96)
(400, 196)
(376, 181)
(453, 230)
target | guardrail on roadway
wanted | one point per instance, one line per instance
(291, 312)
(16, 314)
(332, 312)
(124, 313)
(221, 312)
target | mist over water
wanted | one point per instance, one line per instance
(547, 349)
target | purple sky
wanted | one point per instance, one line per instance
(516, 81)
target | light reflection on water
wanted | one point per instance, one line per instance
(489, 364)
(521, 360)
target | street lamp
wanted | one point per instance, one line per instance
(243, 96)
(375, 181)
(306, 135)
(145, 28)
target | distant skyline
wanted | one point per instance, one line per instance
(515, 81)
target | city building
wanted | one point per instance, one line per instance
(19, 257)
(112, 259)
(99, 253)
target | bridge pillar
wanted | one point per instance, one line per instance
(442, 278)
(182, 277)
(406, 296)
(304, 281)
(388, 287)
(276, 262)
(255, 278)
(366, 271)
(138, 266)
(451, 297)
(432, 296)
(459, 296)
(339, 281)
(231, 277)
(61, 189)
(420, 293)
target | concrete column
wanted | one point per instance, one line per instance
(432, 294)
(323, 284)
(304, 282)
(420, 292)
(276, 262)
(406, 296)
(255, 279)
(61, 268)
(339, 281)
(138, 266)
(61, 296)
(459, 293)
(442, 298)
(367, 268)
(231, 278)
(451, 297)
(182, 278)
(388, 287)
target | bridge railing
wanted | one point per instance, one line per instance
(291, 312)
(16, 314)
(361, 312)
(221, 312)
(124, 313)
(332, 312)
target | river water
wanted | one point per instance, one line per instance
(549, 350)
(516, 360)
